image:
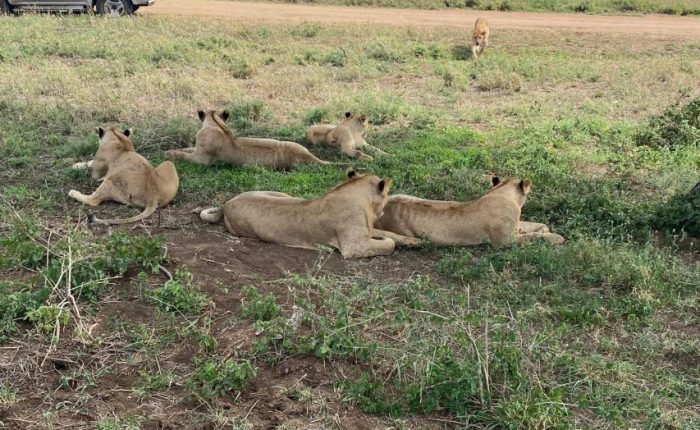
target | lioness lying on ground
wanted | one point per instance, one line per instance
(348, 135)
(216, 142)
(127, 177)
(480, 37)
(493, 218)
(341, 218)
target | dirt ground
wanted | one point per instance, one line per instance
(257, 12)
(56, 381)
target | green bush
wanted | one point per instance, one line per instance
(259, 307)
(677, 127)
(213, 378)
(245, 114)
(680, 213)
(127, 251)
(16, 303)
(179, 295)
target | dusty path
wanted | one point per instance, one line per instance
(647, 24)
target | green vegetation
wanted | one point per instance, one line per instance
(179, 295)
(672, 7)
(214, 378)
(599, 333)
(678, 126)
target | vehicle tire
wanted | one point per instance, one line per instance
(115, 7)
(5, 8)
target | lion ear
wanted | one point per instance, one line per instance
(100, 132)
(525, 186)
(201, 114)
(495, 180)
(127, 132)
(384, 185)
(225, 115)
(351, 173)
(348, 114)
(363, 117)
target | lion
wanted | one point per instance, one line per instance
(216, 142)
(127, 177)
(493, 218)
(348, 135)
(342, 218)
(480, 37)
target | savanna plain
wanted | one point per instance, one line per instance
(176, 324)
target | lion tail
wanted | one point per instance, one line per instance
(148, 211)
(212, 215)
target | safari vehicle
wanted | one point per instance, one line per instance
(102, 7)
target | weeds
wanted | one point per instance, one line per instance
(259, 307)
(179, 295)
(677, 127)
(212, 378)
(681, 213)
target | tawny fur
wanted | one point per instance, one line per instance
(480, 37)
(493, 218)
(127, 177)
(348, 135)
(342, 218)
(216, 142)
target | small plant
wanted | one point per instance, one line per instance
(246, 114)
(242, 70)
(150, 383)
(16, 305)
(432, 50)
(337, 58)
(180, 296)
(382, 53)
(47, 316)
(680, 213)
(8, 395)
(21, 247)
(129, 422)
(307, 29)
(677, 127)
(499, 80)
(213, 378)
(317, 115)
(125, 251)
(259, 307)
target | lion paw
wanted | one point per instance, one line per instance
(365, 157)
(555, 239)
(73, 194)
(411, 241)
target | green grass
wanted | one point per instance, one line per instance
(672, 7)
(599, 333)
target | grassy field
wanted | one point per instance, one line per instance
(599, 333)
(672, 7)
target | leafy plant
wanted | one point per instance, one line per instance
(680, 213)
(46, 316)
(15, 305)
(259, 307)
(677, 127)
(179, 295)
(213, 378)
(126, 251)
(247, 113)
